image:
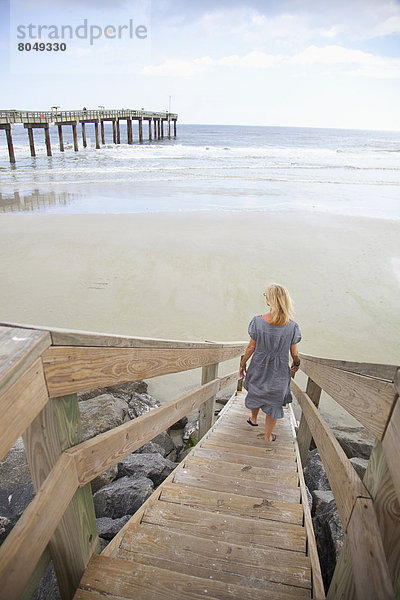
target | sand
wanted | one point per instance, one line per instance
(201, 275)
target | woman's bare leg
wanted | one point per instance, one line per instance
(254, 415)
(269, 427)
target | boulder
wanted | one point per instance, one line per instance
(14, 469)
(165, 441)
(122, 497)
(314, 473)
(104, 479)
(140, 404)
(153, 466)
(329, 536)
(48, 586)
(108, 528)
(191, 432)
(355, 441)
(6, 525)
(150, 448)
(121, 390)
(321, 499)
(102, 414)
(360, 465)
(14, 502)
(180, 424)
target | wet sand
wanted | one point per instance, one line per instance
(201, 275)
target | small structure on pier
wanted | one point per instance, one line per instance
(43, 120)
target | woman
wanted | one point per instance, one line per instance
(267, 380)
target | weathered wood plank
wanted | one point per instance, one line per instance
(207, 409)
(342, 583)
(270, 449)
(221, 483)
(73, 369)
(251, 438)
(56, 428)
(391, 446)
(249, 473)
(230, 528)
(72, 337)
(128, 580)
(268, 461)
(369, 400)
(36, 576)
(234, 504)
(304, 436)
(343, 479)
(21, 404)
(23, 547)
(20, 348)
(381, 371)
(370, 569)
(97, 454)
(217, 560)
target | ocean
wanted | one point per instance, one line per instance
(207, 167)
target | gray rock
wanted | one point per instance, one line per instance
(314, 473)
(355, 441)
(360, 465)
(14, 469)
(180, 424)
(153, 466)
(183, 454)
(6, 525)
(102, 414)
(321, 499)
(121, 390)
(140, 404)
(14, 502)
(329, 536)
(191, 431)
(122, 497)
(166, 442)
(103, 544)
(151, 448)
(309, 498)
(48, 586)
(108, 528)
(104, 479)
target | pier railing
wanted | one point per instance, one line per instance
(54, 116)
(41, 372)
(369, 563)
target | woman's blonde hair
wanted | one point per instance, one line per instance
(280, 302)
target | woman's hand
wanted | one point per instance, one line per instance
(294, 368)
(242, 371)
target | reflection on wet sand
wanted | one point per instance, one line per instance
(34, 201)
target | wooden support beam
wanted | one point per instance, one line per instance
(174, 127)
(150, 122)
(103, 139)
(129, 130)
(47, 140)
(169, 128)
(74, 369)
(31, 141)
(155, 128)
(304, 436)
(162, 128)
(10, 144)
(391, 446)
(380, 371)
(118, 130)
(55, 429)
(96, 135)
(207, 409)
(75, 136)
(140, 122)
(84, 135)
(60, 138)
(114, 126)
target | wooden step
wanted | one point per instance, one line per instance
(233, 504)
(272, 450)
(251, 439)
(267, 461)
(245, 472)
(279, 571)
(229, 528)
(115, 578)
(217, 482)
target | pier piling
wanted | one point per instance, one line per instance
(60, 138)
(140, 123)
(169, 128)
(84, 135)
(103, 139)
(129, 130)
(118, 131)
(150, 136)
(114, 131)
(31, 141)
(75, 136)
(96, 134)
(47, 139)
(10, 145)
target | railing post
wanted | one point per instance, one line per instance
(54, 430)
(206, 412)
(304, 436)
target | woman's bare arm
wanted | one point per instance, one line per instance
(296, 358)
(248, 352)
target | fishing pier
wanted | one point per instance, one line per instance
(44, 120)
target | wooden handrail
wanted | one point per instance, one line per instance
(379, 371)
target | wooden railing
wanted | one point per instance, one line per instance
(41, 372)
(369, 563)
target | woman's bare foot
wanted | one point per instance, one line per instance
(271, 438)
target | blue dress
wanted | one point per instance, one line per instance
(267, 379)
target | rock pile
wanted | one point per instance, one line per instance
(357, 445)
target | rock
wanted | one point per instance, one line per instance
(108, 528)
(321, 499)
(103, 543)
(180, 424)
(121, 390)
(166, 442)
(150, 448)
(314, 473)
(6, 525)
(310, 499)
(104, 479)
(360, 465)
(48, 586)
(14, 469)
(329, 537)
(191, 431)
(355, 441)
(183, 454)
(14, 502)
(102, 414)
(122, 497)
(140, 404)
(153, 466)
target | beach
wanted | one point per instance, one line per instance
(201, 276)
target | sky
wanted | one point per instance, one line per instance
(325, 63)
